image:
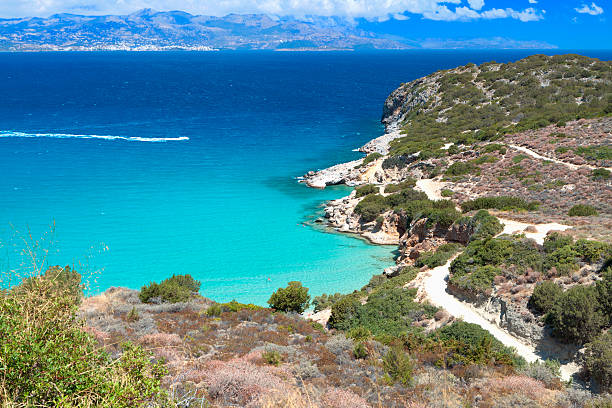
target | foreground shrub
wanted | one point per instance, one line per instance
(293, 298)
(46, 359)
(343, 311)
(398, 366)
(371, 207)
(547, 371)
(325, 301)
(178, 288)
(233, 306)
(582, 210)
(576, 316)
(365, 190)
(477, 346)
(394, 188)
(598, 361)
(370, 158)
(545, 296)
(600, 174)
(504, 203)
(439, 257)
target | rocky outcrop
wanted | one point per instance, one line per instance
(407, 97)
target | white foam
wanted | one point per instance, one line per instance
(8, 133)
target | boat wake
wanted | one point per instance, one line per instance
(8, 133)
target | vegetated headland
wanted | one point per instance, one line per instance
(495, 183)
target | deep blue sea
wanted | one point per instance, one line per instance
(219, 200)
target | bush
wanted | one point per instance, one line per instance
(600, 174)
(547, 371)
(461, 168)
(370, 158)
(556, 240)
(545, 296)
(398, 366)
(217, 308)
(447, 193)
(394, 188)
(576, 316)
(360, 351)
(598, 361)
(46, 359)
(178, 288)
(483, 226)
(476, 345)
(371, 207)
(343, 311)
(582, 210)
(365, 190)
(293, 298)
(439, 257)
(604, 293)
(272, 357)
(504, 203)
(325, 301)
(359, 333)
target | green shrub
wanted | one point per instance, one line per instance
(494, 147)
(293, 298)
(500, 203)
(476, 345)
(519, 158)
(602, 152)
(545, 296)
(576, 316)
(582, 210)
(482, 225)
(398, 366)
(556, 240)
(272, 357)
(325, 301)
(592, 251)
(360, 351)
(371, 207)
(441, 255)
(598, 361)
(370, 158)
(133, 315)
(343, 311)
(217, 309)
(394, 188)
(604, 294)
(365, 190)
(461, 168)
(359, 333)
(447, 193)
(600, 174)
(46, 359)
(178, 288)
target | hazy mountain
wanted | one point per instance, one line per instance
(149, 29)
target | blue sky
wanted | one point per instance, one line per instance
(566, 24)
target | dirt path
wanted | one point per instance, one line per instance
(539, 156)
(434, 284)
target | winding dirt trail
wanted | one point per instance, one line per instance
(435, 284)
(540, 157)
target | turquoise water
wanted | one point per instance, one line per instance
(218, 198)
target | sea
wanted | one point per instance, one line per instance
(132, 167)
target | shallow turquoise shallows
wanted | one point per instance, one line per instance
(81, 144)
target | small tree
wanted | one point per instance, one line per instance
(544, 296)
(293, 298)
(576, 317)
(598, 361)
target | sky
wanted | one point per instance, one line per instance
(566, 24)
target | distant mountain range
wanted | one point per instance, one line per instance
(151, 30)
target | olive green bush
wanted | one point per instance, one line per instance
(545, 295)
(293, 298)
(582, 210)
(47, 359)
(178, 288)
(504, 203)
(598, 361)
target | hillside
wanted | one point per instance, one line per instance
(497, 193)
(152, 30)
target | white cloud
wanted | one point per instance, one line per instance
(533, 1)
(593, 9)
(443, 13)
(476, 4)
(376, 10)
